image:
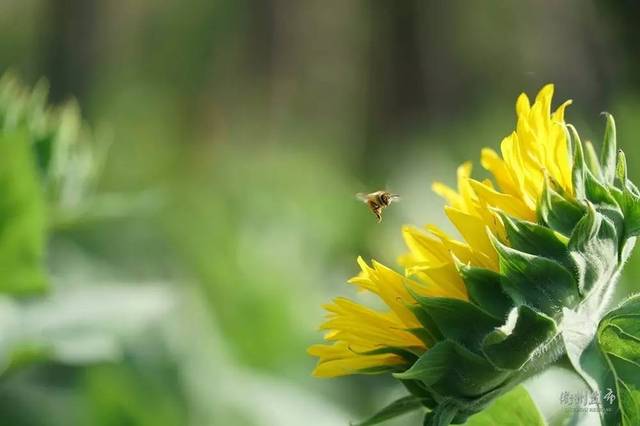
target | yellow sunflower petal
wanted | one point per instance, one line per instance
(522, 104)
(342, 362)
(444, 281)
(472, 229)
(505, 202)
(425, 248)
(448, 193)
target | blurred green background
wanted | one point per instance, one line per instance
(239, 132)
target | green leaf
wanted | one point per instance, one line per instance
(596, 192)
(615, 216)
(627, 197)
(621, 170)
(397, 408)
(593, 248)
(619, 332)
(628, 308)
(536, 281)
(627, 376)
(419, 390)
(559, 213)
(609, 362)
(591, 159)
(534, 239)
(630, 205)
(429, 333)
(619, 340)
(622, 339)
(515, 408)
(450, 369)
(627, 249)
(531, 332)
(485, 290)
(22, 218)
(608, 154)
(443, 415)
(458, 320)
(579, 166)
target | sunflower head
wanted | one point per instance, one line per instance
(473, 316)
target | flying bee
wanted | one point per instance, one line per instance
(377, 201)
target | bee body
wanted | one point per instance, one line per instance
(377, 201)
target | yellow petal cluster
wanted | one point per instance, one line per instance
(536, 150)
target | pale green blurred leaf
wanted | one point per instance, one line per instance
(79, 325)
(515, 408)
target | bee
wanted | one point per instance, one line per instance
(377, 201)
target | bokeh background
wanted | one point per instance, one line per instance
(240, 132)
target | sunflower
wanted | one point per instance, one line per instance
(365, 340)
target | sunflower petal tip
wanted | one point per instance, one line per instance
(546, 91)
(464, 169)
(363, 264)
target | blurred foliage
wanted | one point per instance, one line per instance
(67, 157)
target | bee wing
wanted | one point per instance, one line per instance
(362, 196)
